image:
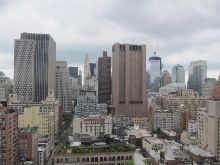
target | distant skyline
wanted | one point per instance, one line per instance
(179, 31)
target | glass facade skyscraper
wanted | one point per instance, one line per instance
(155, 67)
(197, 75)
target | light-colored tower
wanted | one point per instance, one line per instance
(178, 74)
(213, 122)
(197, 75)
(128, 79)
(63, 92)
(34, 66)
(87, 73)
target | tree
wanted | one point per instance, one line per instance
(147, 161)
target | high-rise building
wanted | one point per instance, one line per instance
(34, 66)
(92, 67)
(104, 80)
(155, 67)
(208, 125)
(197, 75)
(63, 92)
(128, 79)
(208, 86)
(73, 71)
(87, 105)
(90, 76)
(87, 73)
(166, 78)
(178, 74)
(8, 136)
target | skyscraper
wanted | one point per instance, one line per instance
(128, 79)
(63, 92)
(208, 86)
(86, 69)
(155, 67)
(178, 74)
(104, 80)
(197, 75)
(166, 78)
(34, 66)
(73, 71)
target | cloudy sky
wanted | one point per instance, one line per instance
(179, 30)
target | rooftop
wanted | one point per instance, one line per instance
(95, 148)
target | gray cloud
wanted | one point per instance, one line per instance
(180, 31)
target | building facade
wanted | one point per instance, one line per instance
(8, 136)
(208, 86)
(34, 66)
(28, 144)
(93, 125)
(104, 80)
(73, 71)
(178, 74)
(197, 75)
(87, 105)
(155, 68)
(166, 78)
(62, 91)
(128, 79)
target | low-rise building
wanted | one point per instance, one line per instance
(8, 136)
(141, 121)
(99, 153)
(163, 119)
(44, 115)
(93, 125)
(152, 143)
(120, 121)
(28, 144)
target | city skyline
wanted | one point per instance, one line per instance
(192, 34)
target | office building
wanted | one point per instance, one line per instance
(208, 86)
(63, 92)
(104, 80)
(155, 67)
(87, 105)
(90, 76)
(34, 66)
(73, 71)
(128, 79)
(8, 136)
(197, 75)
(87, 73)
(163, 119)
(166, 78)
(178, 74)
(188, 98)
(214, 121)
(171, 88)
(44, 115)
